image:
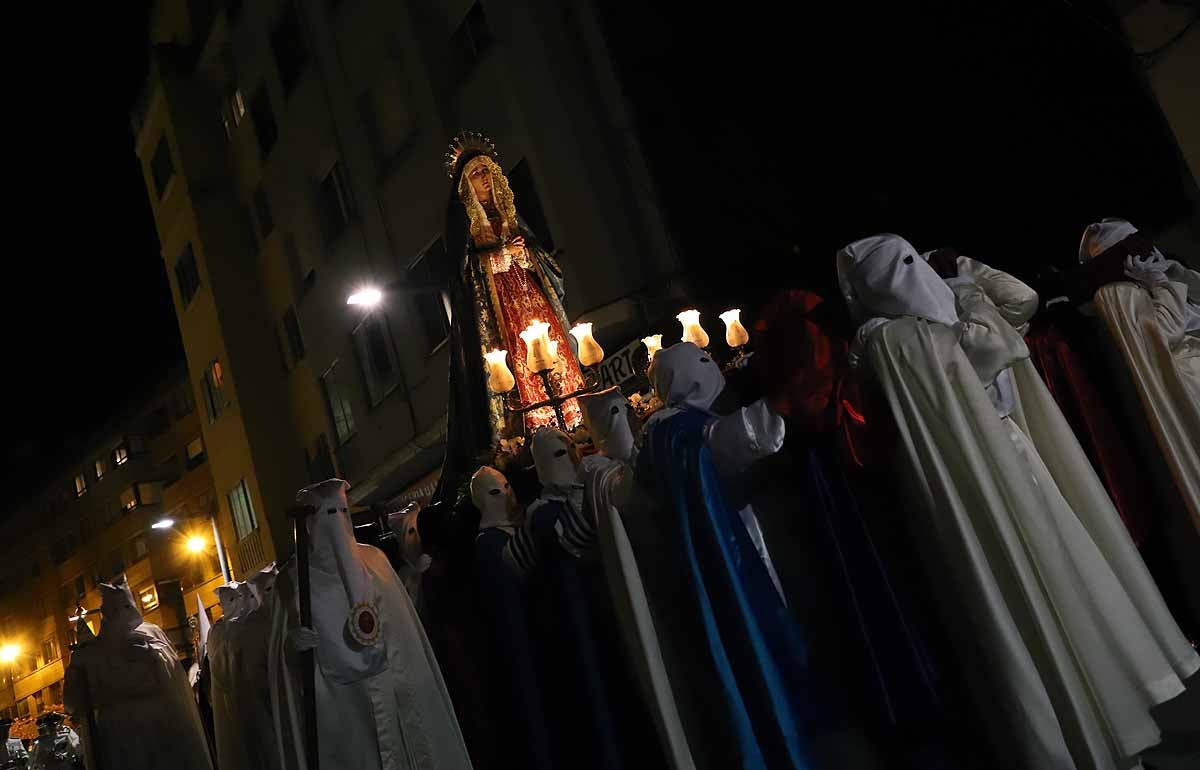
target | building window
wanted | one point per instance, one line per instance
(183, 402)
(387, 115)
(148, 597)
(50, 650)
(101, 468)
(162, 168)
(469, 41)
(195, 452)
(120, 455)
(187, 275)
(339, 406)
(64, 548)
(520, 179)
(214, 393)
(291, 338)
(265, 128)
(430, 305)
(376, 356)
(80, 485)
(262, 212)
(290, 48)
(55, 693)
(116, 563)
(129, 499)
(302, 280)
(244, 520)
(334, 207)
(138, 548)
(233, 111)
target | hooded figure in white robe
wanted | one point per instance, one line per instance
(1074, 668)
(1154, 321)
(248, 727)
(608, 478)
(1026, 399)
(227, 689)
(405, 525)
(137, 693)
(381, 700)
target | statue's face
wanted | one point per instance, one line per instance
(480, 178)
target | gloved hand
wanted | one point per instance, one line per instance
(1149, 271)
(302, 639)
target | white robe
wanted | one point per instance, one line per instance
(1073, 669)
(1148, 328)
(398, 719)
(145, 715)
(604, 479)
(1041, 420)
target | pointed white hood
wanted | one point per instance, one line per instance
(884, 276)
(344, 604)
(686, 376)
(493, 497)
(606, 415)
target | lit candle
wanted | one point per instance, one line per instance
(500, 379)
(692, 330)
(590, 352)
(539, 355)
(653, 344)
(735, 334)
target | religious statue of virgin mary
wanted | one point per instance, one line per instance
(501, 280)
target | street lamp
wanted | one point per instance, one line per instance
(9, 653)
(196, 544)
(367, 297)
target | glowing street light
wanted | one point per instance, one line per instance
(367, 297)
(9, 653)
(196, 544)
(166, 523)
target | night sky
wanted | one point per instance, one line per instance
(89, 318)
(775, 136)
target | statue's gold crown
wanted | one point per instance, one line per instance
(471, 142)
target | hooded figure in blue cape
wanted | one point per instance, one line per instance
(745, 641)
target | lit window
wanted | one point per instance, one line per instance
(214, 396)
(148, 596)
(129, 499)
(195, 452)
(120, 455)
(100, 469)
(80, 485)
(244, 520)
